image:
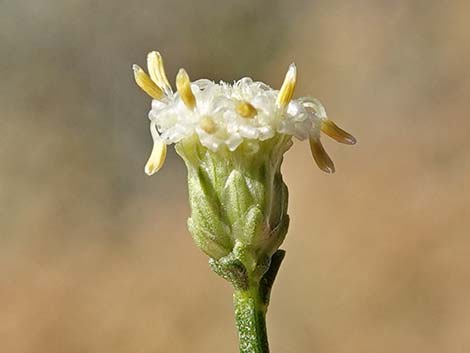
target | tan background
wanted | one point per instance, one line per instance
(95, 256)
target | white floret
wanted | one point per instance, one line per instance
(175, 121)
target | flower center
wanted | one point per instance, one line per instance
(246, 110)
(208, 124)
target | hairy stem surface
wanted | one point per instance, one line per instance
(251, 305)
(250, 315)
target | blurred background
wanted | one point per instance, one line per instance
(95, 255)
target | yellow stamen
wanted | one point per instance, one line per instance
(287, 89)
(320, 156)
(157, 157)
(157, 71)
(146, 83)
(336, 133)
(246, 110)
(183, 85)
(208, 124)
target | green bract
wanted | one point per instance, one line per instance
(239, 204)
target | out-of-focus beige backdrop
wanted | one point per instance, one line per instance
(95, 255)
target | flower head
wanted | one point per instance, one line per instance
(222, 116)
(232, 138)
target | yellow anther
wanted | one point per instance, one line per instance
(246, 110)
(146, 83)
(320, 156)
(157, 71)
(287, 89)
(208, 124)
(336, 133)
(183, 85)
(157, 157)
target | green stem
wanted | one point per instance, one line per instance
(251, 304)
(250, 315)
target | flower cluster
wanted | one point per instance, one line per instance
(225, 116)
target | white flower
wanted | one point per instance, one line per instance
(224, 115)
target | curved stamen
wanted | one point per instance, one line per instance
(183, 85)
(146, 83)
(157, 72)
(336, 133)
(158, 155)
(287, 89)
(320, 156)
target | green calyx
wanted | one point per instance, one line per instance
(239, 205)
